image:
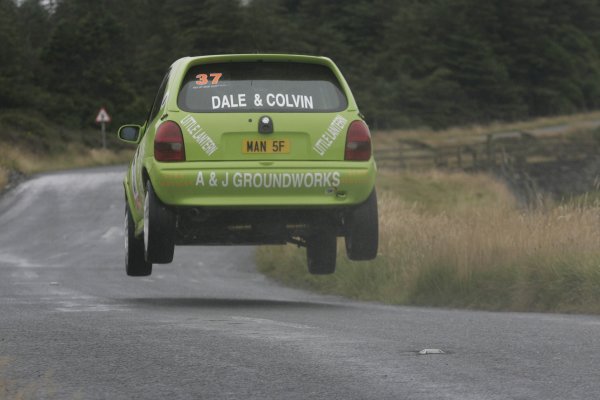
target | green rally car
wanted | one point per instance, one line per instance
(251, 149)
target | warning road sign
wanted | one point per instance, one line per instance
(102, 116)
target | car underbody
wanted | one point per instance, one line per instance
(224, 226)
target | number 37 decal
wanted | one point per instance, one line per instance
(202, 79)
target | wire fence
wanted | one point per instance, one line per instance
(519, 148)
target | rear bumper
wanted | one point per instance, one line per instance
(262, 184)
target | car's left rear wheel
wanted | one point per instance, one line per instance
(135, 263)
(159, 229)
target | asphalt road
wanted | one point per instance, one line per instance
(208, 326)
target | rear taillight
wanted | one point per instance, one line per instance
(358, 142)
(168, 143)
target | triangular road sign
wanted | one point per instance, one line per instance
(102, 116)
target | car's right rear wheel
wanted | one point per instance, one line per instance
(321, 249)
(362, 230)
(135, 264)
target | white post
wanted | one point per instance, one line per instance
(103, 135)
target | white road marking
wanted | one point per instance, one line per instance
(267, 322)
(24, 274)
(113, 233)
(17, 261)
(263, 329)
(73, 306)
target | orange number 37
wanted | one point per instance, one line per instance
(202, 79)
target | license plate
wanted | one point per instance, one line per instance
(266, 146)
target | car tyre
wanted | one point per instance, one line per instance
(321, 249)
(135, 263)
(362, 230)
(159, 229)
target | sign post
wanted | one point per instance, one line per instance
(103, 118)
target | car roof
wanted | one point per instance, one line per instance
(255, 57)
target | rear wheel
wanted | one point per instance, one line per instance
(362, 230)
(159, 229)
(321, 248)
(135, 264)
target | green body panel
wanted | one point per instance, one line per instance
(217, 173)
(302, 132)
(263, 184)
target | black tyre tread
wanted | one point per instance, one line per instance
(161, 236)
(362, 230)
(321, 252)
(135, 263)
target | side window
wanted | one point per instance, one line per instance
(159, 98)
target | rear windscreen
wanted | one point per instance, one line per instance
(261, 86)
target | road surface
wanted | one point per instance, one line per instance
(208, 326)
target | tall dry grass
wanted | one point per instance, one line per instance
(39, 387)
(75, 156)
(3, 178)
(498, 258)
(490, 255)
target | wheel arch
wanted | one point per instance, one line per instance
(145, 177)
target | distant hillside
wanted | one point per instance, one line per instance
(433, 63)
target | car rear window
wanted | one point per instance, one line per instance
(261, 86)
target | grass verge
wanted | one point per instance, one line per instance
(456, 240)
(40, 387)
(74, 156)
(383, 139)
(29, 143)
(3, 178)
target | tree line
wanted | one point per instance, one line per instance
(409, 62)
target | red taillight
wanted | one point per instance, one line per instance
(358, 142)
(168, 143)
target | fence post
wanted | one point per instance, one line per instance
(489, 146)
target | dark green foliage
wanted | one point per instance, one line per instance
(12, 57)
(409, 62)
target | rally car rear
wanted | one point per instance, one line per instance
(256, 149)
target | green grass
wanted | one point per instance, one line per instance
(457, 240)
